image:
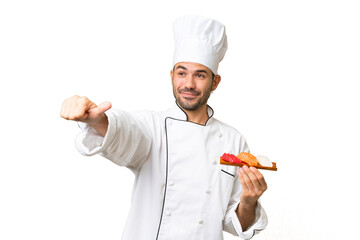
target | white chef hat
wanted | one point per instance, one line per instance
(199, 40)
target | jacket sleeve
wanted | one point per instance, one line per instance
(231, 222)
(126, 143)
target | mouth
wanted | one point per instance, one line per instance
(189, 94)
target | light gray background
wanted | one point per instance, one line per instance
(289, 84)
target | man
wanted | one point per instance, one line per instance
(180, 190)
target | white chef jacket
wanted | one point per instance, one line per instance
(180, 190)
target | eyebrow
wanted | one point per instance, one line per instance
(202, 71)
(182, 67)
(197, 71)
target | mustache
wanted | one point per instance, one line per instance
(189, 90)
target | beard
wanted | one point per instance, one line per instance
(188, 104)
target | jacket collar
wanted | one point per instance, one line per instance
(177, 113)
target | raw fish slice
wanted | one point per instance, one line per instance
(264, 161)
(248, 158)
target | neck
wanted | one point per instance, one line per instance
(199, 115)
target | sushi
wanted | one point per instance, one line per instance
(247, 159)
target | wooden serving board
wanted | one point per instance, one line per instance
(273, 168)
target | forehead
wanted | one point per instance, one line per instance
(192, 67)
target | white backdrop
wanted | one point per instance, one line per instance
(289, 84)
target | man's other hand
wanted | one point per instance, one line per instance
(83, 110)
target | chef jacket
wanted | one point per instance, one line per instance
(180, 189)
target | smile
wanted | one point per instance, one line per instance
(188, 95)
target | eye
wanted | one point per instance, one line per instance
(181, 73)
(200, 76)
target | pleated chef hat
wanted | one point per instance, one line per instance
(199, 40)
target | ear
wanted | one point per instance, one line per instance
(171, 76)
(216, 81)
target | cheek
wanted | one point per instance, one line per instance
(206, 88)
(177, 83)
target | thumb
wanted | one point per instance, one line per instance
(103, 107)
(96, 112)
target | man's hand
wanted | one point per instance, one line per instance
(82, 109)
(253, 186)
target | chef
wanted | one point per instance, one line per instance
(180, 190)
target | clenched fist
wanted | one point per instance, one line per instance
(82, 109)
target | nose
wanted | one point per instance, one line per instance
(189, 82)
